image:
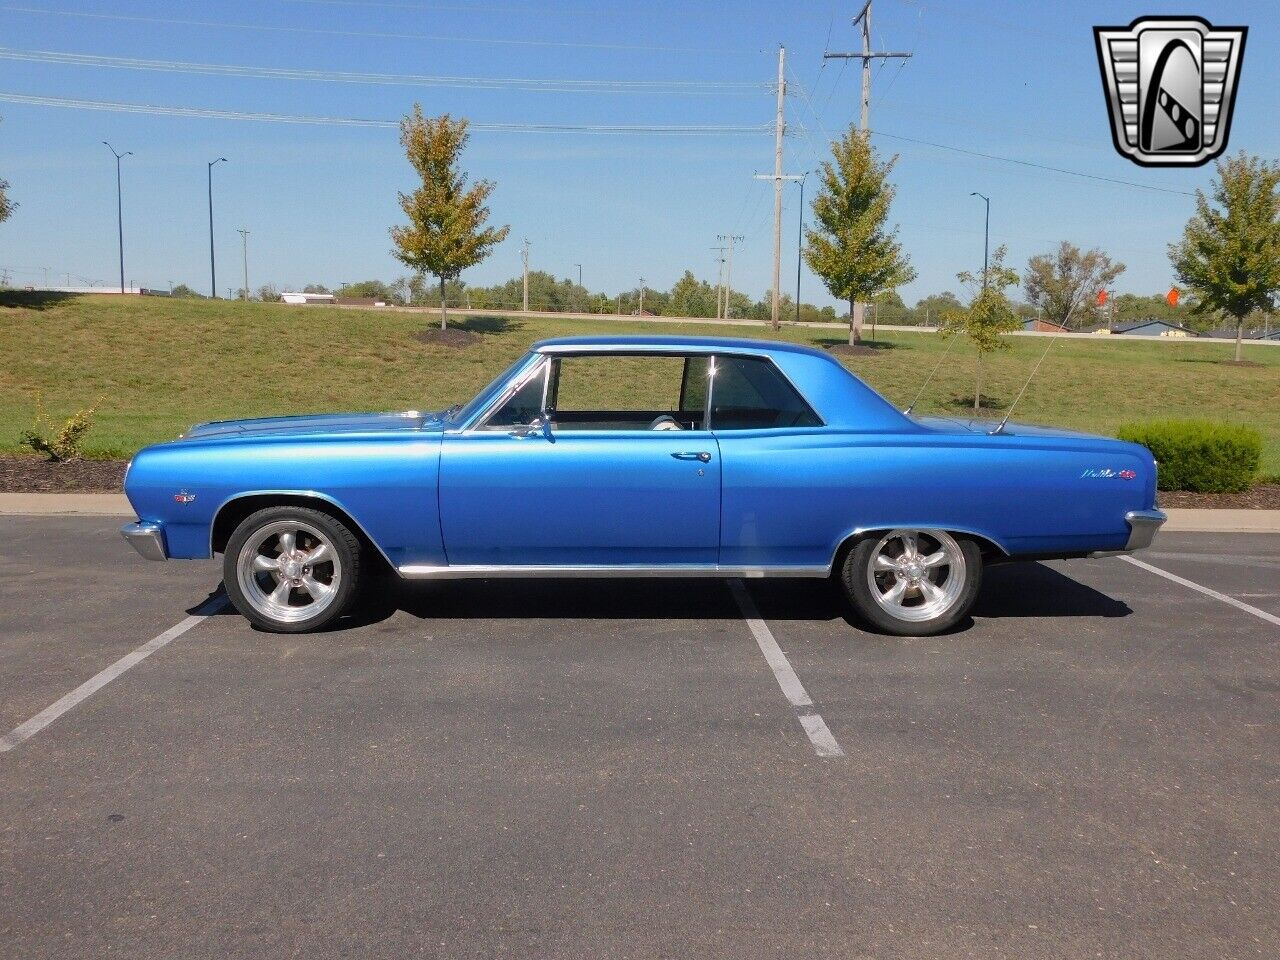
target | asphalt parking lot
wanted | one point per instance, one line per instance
(1088, 768)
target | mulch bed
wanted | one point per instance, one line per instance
(449, 337)
(1265, 496)
(21, 474)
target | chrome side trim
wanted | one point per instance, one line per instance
(147, 538)
(552, 571)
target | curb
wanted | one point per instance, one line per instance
(115, 505)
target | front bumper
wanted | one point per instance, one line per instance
(147, 538)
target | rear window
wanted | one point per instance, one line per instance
(750, 393)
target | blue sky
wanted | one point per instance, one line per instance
(1015, 79)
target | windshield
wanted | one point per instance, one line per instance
(461, 415)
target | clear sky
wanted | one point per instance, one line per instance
(1010, 78)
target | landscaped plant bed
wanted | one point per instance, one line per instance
(1264, 496)
(23, 474)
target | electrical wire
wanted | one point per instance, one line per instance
(215, 114)
(699, 87)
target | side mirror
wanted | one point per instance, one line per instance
(537, 427)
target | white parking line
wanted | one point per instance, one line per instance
(814, 726)
(30, 728)
(1239, 604)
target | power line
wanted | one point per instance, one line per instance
(214, 114)
(666, 87)
(320, 31)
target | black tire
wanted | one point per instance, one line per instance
(343, 569)
(855, 578)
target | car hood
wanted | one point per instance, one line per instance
(976, 425)
(328, 423)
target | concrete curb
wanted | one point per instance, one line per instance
(115, 505)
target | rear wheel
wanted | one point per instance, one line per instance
(913, 582)
(291, 569)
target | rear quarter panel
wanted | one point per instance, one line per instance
(792, 498)
(387, 483)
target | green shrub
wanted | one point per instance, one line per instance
(62, 444)
(1200, 455)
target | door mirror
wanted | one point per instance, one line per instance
(537, 427)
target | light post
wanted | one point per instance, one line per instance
(800, 242)
(119, 207)
(213, 274)
(986, 235)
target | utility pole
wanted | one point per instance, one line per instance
(119, 209)
(213, 273)
(641, 313)
(778, 126)
(719, 276)
(576, 295)
(866, 56)
(800, 241)
(244, 247)
(729, 238)
(524, 257)
(986, 236)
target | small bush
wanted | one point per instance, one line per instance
(1200, 455)
(64, 443)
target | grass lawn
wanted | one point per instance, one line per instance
(154, 366)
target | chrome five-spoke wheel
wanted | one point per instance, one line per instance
(291, 568)
(913, 581)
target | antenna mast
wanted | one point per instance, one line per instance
(1034, 370)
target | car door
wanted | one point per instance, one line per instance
(607, 487)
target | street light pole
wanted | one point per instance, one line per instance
(119, 207)
(800, 242)
(213, 273)
(986, 235)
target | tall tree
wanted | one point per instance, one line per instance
(989, 315)
(1064, 283)
(446, 232)
(6, 205)
(1229, 254)
(850, 247)
(691, 297)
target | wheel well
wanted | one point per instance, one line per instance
(233, 513)
(991, 551)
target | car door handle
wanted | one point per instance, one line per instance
(701, 455)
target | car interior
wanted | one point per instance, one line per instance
(648, 392)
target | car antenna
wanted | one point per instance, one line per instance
(1034, 370)
(929, 379)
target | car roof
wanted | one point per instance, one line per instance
(605, 344)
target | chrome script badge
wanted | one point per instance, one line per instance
(1170, 84)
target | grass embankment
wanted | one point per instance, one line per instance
(155, 366)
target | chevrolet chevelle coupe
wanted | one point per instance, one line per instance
(639, 457)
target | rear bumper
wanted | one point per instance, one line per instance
(1143, 525)
(147, 538)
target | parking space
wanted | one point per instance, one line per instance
(611, 769)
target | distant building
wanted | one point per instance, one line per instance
(295, 297)
(1272, 335)
(1039, 325)
(1157, 328)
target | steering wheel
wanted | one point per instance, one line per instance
(665, 422)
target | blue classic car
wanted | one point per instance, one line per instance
(727, 458)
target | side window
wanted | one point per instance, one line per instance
(628, 392)
(750, 394)
(523, 406)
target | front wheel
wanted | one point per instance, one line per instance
(913, 583)
(291, 569)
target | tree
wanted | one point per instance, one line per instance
(1064, 283)
(850, 248)
(989, 315)
(183, 292)
(1134, 308)
(1229, 255)
(6, 205)
(445, 234)
(691, 297)
(268, 293)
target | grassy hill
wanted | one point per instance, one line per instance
(154, 366)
